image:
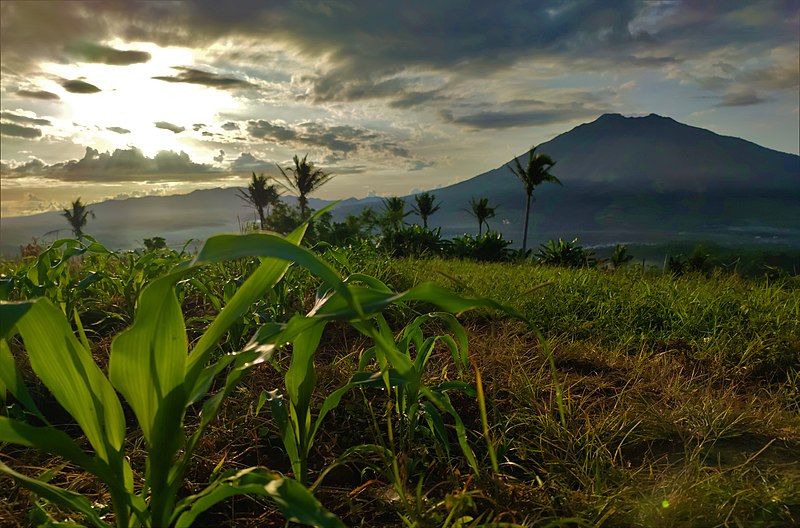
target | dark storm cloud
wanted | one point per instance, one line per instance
(90, 52)
(10, 129)
(81, 87)
(121, 165)
(192, 76)
(119, 130)
(169, 126)
(24, 120)
(38, 94)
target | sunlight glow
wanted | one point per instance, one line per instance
(132, 99)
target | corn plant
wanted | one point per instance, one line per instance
(361, 302)
(152, 367)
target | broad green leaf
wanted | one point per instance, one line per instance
(50, 440)
(295, 502)
(72, 376)
(56, 495)
(11, 381)
(278, 406)
(10, 313)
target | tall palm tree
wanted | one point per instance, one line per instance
(394, 210)
(260, 195)
(536, 173)
(425, 207)
(77, 217)
(304, 179)
(482, 212)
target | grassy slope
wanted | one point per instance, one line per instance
(680, 401)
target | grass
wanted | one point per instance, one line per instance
(680, 397)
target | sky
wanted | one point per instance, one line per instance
(117, 99)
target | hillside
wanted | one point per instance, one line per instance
(625, 179)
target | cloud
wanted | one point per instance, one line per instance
(119, 130)
(526, 113)
(25, 120)
(745, 97)
(10, 129)
(230, 126)
(90, 52)
(81, 87)
(343, 139)
(192, 76)
(246, 162)
(263, 129)
(221, 157)
(38, 94)
(121, 165)
(169, 126)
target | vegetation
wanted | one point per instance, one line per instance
(304, 178)
(425, 205)
(77, 217)
(536, 172)
(330, 384)
(261, 195)
(482, 212)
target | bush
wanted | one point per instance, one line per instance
(413, 241)
(491, 247)
(567, 254)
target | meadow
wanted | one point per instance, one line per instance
(259, 381)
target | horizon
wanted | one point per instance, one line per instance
(140, 99)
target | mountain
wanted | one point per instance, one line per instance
(625, 179)
(641, 179)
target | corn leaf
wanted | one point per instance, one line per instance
(57, 495)
(10, 313)
(72, 376)
(295, 502)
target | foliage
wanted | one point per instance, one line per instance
(77, 217)
(425, 206)
(567, 254)
(155, 243)
(394, 213)
(152, 368)
(304, 178)
(284, 218)
(620, 257)
(413, 240)
(482, 212)
(534, 174)
(261, 195)
(491, 247)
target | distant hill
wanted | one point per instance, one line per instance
(625, 179)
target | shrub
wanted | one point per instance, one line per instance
(567, 254)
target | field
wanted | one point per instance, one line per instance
(580, 397)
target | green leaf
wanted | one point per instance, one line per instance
(50, 440)
(10, 313)
(72, 376)
(295, 502)
(72, 500)
(11, 381)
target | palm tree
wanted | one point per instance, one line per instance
(394, 210)
(424, 206)
(304, 179)
(261, 196)
(77, 217)
(536, 173)
(482, 212)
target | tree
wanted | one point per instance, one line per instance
(425, 206)
(77, 217)
(304, 179)
(482, 212)
(394, 211)
(260, 195)
(536, 173)
(155, 243)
